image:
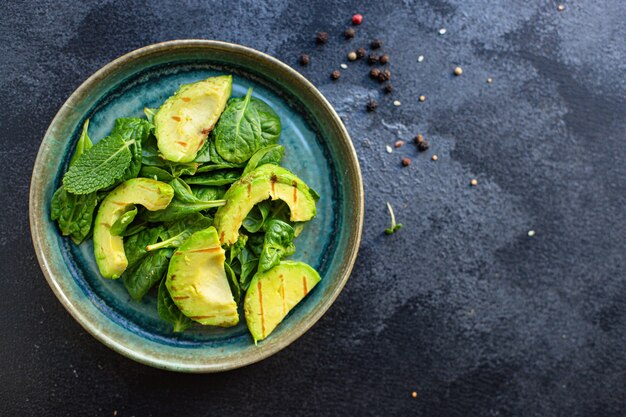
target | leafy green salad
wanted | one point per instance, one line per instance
(192, 200)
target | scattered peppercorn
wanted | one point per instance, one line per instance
(349, 33)
(434, 157)
(458, 71)
(422, 98)
(382, 77)
(388, 88)
(560, 7)
(335, 74)
(360, 53)
(304, 59)
(474, 182)
(384, 59)
(406, 161)
(352, 56)
(387, 74)
(398, 143)
(372, 59)
(375, 72)
(489, 80)
(419, 138)
(357, 19)
(376, 43)
(414, 394)
(423, 146)
(372, 105)
(397, 103)
(321, 37)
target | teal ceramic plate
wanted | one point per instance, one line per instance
(317, 148)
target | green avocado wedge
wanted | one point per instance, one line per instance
(185, 120)
(272, 295)
(266, 181)
(109, 248)
(197, 282)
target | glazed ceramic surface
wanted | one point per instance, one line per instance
(317, 149)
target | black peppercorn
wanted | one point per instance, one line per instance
(423, 145)
(304, 59)
(374, 72)
(349, 33)
(360, 53)
(372, 59)
(387, 74)
(388, 88)
(382, 77)
(335, 74)
(321, 37)
(372, 105)
(384, 59)
(376, 43)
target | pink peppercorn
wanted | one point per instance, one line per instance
(357, 19)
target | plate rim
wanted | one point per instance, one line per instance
(43, 252)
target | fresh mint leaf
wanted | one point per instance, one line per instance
(99, 168)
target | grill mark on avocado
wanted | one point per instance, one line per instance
(273, 180)
(186, 99)
(118, 203)
(181, 143)
(249, 189)
(180, 297)
(261, 308)
(201, 317)
(294, 183)
(304, 285)
(176, 118)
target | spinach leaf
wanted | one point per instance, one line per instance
(255, 244)
(73, 213)
(270, 122)
(238, 131)
(233, 282)
(278, 243)
(179, 231)
(269, 155)
(135, 227)
(135, 245)
(84, 143)
(249, 265)
(155, 173)
(139, 278)
(222, 177)
(204, 155)
(178, 210)
(208, 193)
(184, 169)
(182, 191)
(169, 312)
(119, 227)
(215, 167)
(150, 153)
(256, 217)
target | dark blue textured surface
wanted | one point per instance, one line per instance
(461, 305)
